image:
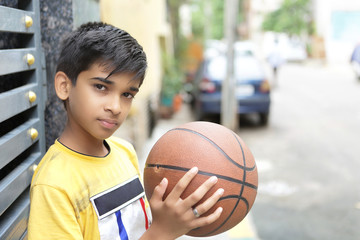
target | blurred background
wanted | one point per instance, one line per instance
(283, 74)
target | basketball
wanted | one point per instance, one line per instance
(216, 151)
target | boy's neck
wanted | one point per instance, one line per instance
(89, 146)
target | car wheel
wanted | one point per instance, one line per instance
(198, 114)
(264, 119)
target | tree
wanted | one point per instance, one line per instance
(173, 7)
(293, 17)
(213, 21)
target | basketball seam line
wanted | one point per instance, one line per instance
(240, 194)
(238, 197)
(201, 173)
(217, 147)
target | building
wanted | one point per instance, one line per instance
(337, 22)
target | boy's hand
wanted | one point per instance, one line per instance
(174, 216)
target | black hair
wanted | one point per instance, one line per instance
(102, 43)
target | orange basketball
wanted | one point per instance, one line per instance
(216, 151)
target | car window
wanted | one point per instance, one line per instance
(216, 68)
(244, 67)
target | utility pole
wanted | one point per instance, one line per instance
(229, 114)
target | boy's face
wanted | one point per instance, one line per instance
(97, 105)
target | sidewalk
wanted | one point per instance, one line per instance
(243, 231)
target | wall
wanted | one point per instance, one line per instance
(56, 20)
(85, 11)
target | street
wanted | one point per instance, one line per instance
(308, 156)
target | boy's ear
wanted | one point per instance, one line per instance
(62, 85)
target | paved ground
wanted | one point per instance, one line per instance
(307, 157)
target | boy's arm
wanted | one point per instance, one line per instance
(174, 216)
(51, 215)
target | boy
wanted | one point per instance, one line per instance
(87, 185)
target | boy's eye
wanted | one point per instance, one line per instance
(128, 95)
(100, 87)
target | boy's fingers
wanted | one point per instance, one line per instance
(203, 221)
(159, 190)
(210, 202)
(199, 193)
(182, 184)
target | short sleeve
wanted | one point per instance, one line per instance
(52, 215)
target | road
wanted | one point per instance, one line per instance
(308, 156)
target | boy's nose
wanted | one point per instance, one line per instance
(114, 106)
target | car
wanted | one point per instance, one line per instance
(252, 88)
(216, 47)
(355, 61)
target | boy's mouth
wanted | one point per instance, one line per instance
(108, 123)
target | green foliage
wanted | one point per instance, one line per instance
(172, 77)
(217, 20)
(214, 22)
(198, 19)
(174, 18)
(293, 18)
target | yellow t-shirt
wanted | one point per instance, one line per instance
(76, 196)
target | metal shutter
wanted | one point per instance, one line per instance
(22, 102)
